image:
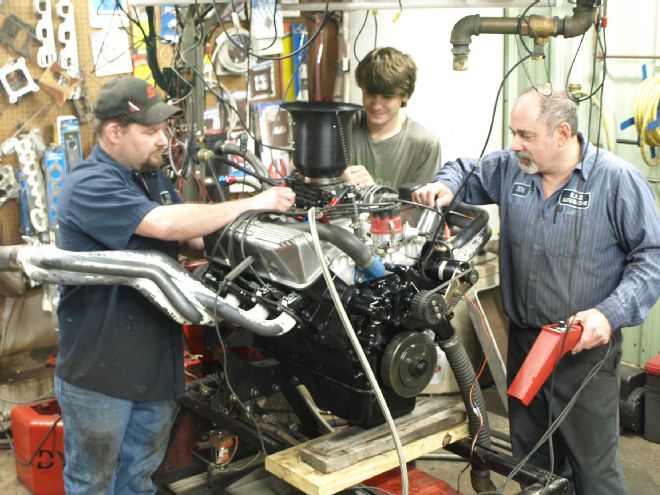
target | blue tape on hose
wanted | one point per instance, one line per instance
(654, 124)
(627, 123)
(644, 72)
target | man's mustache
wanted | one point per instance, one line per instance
(524, 155)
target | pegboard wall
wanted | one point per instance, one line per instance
(39, 110)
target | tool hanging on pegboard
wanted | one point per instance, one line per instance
(11, 75)
(81, 102)
(35, 217)
(8, 184)
(56, 170)
(66, 34)
(47, 53)
(11, 27)
(38, 214)
(9, 219)
(67, 135)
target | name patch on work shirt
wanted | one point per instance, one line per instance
(166, 197)
(519, 189)
(574, 199)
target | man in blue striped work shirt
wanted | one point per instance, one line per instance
(580, 239)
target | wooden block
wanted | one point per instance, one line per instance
(343, 448)
(288, 466)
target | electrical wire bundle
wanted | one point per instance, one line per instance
(225, 56)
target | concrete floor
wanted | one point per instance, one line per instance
(640, 458)
(9, 485)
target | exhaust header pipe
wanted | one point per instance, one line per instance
(158, 277)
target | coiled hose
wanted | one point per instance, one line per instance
(647, 103)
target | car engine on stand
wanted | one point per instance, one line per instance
(386, 270)
(399, 270)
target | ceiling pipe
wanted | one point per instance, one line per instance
(355, 5)
(538, 27)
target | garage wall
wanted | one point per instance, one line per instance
(633, 32)
(633, 45)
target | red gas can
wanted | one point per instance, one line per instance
(419, 483)
(39, 445)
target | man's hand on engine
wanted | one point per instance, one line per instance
(433, 194)
(276, 198)
(358, 176)
(596, 330)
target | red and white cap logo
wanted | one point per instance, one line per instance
(132, 107)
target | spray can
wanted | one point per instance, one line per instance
(223, 444)
(440, 370)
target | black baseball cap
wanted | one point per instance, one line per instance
(135, 99)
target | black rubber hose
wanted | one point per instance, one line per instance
(478, 219)
(167, 84)
(466, 378)
(251, 158)
(337, 236)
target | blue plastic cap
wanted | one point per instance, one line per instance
(372, 272)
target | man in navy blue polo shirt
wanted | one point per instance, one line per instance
(580, 240)
(119, 366)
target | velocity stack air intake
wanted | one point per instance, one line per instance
(321, 137)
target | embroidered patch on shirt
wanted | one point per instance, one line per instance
(519, 189)
(574, 199)
(166, 197)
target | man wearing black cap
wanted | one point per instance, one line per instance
(119, 366)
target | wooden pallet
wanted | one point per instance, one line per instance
(362, 454)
